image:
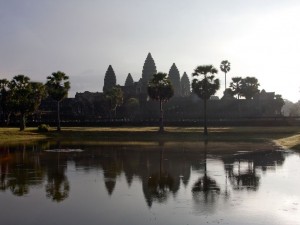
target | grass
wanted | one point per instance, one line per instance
(288, 137)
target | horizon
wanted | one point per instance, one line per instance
(259, 39)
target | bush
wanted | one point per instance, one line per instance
(43, 128)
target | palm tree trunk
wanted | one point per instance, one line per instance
(8, 118)
(205, 118)
(225, 81)
(161, 118)
(22, 122)
(58, 117)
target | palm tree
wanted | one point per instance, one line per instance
(225, 67)
(235, 86)
(160, 89)
(58, 86)
(206, 86)
(249, 87)
(115, 99)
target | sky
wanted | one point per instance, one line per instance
(82, 38)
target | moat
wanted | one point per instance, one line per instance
(148, 183)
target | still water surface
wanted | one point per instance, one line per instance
(147, 183)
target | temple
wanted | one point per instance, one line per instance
(184, 106)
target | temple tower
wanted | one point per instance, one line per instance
(149, 69)
(129, 81)
(175, 80)
(185, 85)
(110, 79)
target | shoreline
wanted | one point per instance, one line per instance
(285, 137)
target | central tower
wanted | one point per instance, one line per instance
(149, 69)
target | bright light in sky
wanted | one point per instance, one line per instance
(82, 38)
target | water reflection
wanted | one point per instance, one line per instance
(206, 189)
(241, 168)
(161, 183)
(161, 168)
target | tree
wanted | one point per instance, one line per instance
(115, 98)
(185, 85)
(129, 81)
(58, 86)
(249, 87)
(235, 86)
(225, 67)
(160, 89)
(205, 87)
(25, 97)
(4, 99)
(132, 107)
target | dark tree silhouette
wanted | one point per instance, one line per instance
(249, 87)
(205, 87)
(225, 67)
(174, 77)
(235, 86)
(129, 81)
(115, 98)
(58, 86)
(185, 85)
(160, 89)
(25, 97)
(110, 79)
(132, 107)
(5, 102)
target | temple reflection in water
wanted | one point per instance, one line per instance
(162, 169)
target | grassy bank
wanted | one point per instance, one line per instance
(286, 136)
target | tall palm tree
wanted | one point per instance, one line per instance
(205, 87)
(225, 67)
(160, 89)
(58, 86)
(235, 86)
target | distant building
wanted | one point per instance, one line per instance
(110, 79)
(186, 106)
(174, 77)
(149, 69)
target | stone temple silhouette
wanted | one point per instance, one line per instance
(149, 69)
(184, 106)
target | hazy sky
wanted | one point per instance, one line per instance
(260, 38)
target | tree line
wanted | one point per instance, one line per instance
(22, 97)
(204, 85)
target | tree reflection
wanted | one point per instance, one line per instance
(160, 184)
(19, 171)
(161, 170)
(206, 189)
(57, 187)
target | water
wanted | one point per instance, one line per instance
(148, 183)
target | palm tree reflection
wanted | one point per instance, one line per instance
(160, 184)
(206, 188)
(57, 187)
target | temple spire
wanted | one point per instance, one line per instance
(185, 85)
(149, 69)
(175, 79)
(110, 79)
